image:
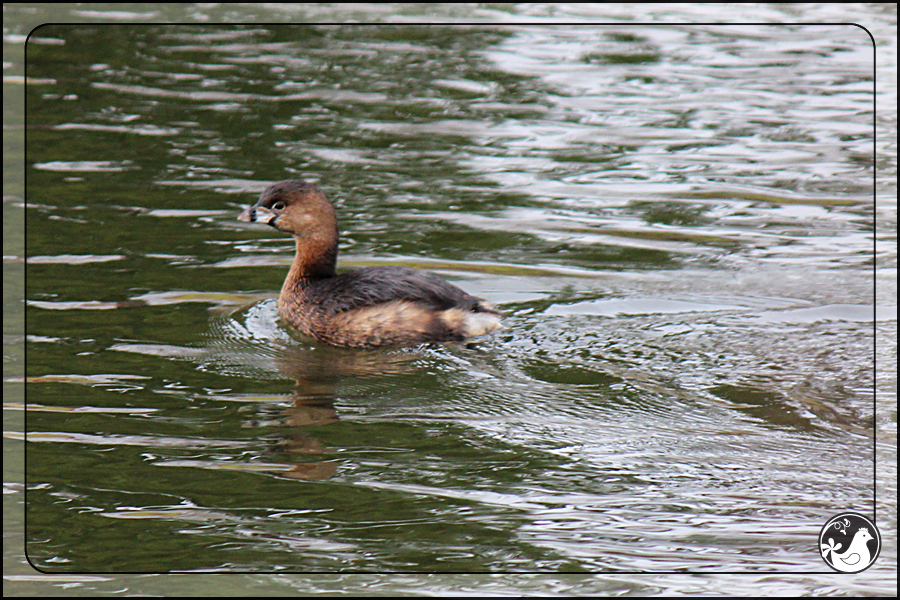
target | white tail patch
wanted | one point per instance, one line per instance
(480, 323)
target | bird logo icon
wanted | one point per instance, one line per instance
(849, 543)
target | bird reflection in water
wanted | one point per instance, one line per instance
(318, 372)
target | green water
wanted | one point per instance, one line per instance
(677, 221)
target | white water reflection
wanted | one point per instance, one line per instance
(678, 220)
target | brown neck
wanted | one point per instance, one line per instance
(316, 258)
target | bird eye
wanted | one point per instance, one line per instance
(278, 205)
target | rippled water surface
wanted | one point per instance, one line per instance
(678, 221)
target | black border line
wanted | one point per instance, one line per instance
(470, 25)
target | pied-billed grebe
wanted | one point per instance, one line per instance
(374, 306)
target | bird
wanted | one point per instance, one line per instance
(854, 558)
(363, 308)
